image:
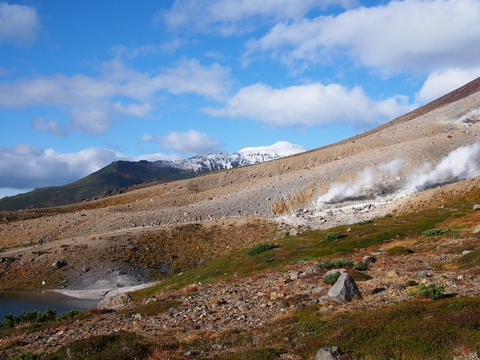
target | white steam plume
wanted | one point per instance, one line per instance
(460, 164)
(365, 181)
(471, 114)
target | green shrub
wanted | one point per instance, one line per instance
(435, 232)
(332, 278)
(10, 320)
(67, 315)
(365, 222)
(336, 264)
(433, 291)
(260, 248)
(335, 235)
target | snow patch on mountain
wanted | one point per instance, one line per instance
(243, 157)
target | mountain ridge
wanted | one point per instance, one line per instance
(116, 177)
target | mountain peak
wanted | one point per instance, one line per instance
(280, 148)
(221, 161)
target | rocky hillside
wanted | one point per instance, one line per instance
(400, 201)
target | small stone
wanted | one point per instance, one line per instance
(392, 274)
(452, 281)
(421, 274)
(328, 353)
(369, 259)
(59, 264)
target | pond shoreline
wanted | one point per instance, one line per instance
(99, 294)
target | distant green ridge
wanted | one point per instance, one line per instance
(118, 175)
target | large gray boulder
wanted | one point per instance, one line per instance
(328, 353)
(115, 302)
(344, 289)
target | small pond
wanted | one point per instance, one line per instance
(16, 302)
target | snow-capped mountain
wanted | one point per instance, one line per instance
(119, 175)
(222, 161)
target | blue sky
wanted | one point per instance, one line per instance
(85, 83)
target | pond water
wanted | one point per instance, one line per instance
(16, 302)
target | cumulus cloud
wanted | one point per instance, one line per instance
(19, 24)
(94, 103)
(441, 82)
(26, 166)
(50, 127)
(191, 77)
(400, 36)
(191, 142)
(229, 17)
(309, 105)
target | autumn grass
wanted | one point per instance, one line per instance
(412, 330)
(121, 346)
(312, 244)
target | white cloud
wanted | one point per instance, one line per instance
(191, 142)
(18, 23)
(442, 82)
(191, 77)
(400, 36)
(122, 51)
(94, 102)
(228, 17)
(309, 104)
(26, 166)
(50, 127)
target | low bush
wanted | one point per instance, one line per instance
(432, 291)
(435, 232)
(10, 320)
(336, 264)
(365, 222)
(331, 278)
(335, 235)
(260, 248)
(67, 315)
